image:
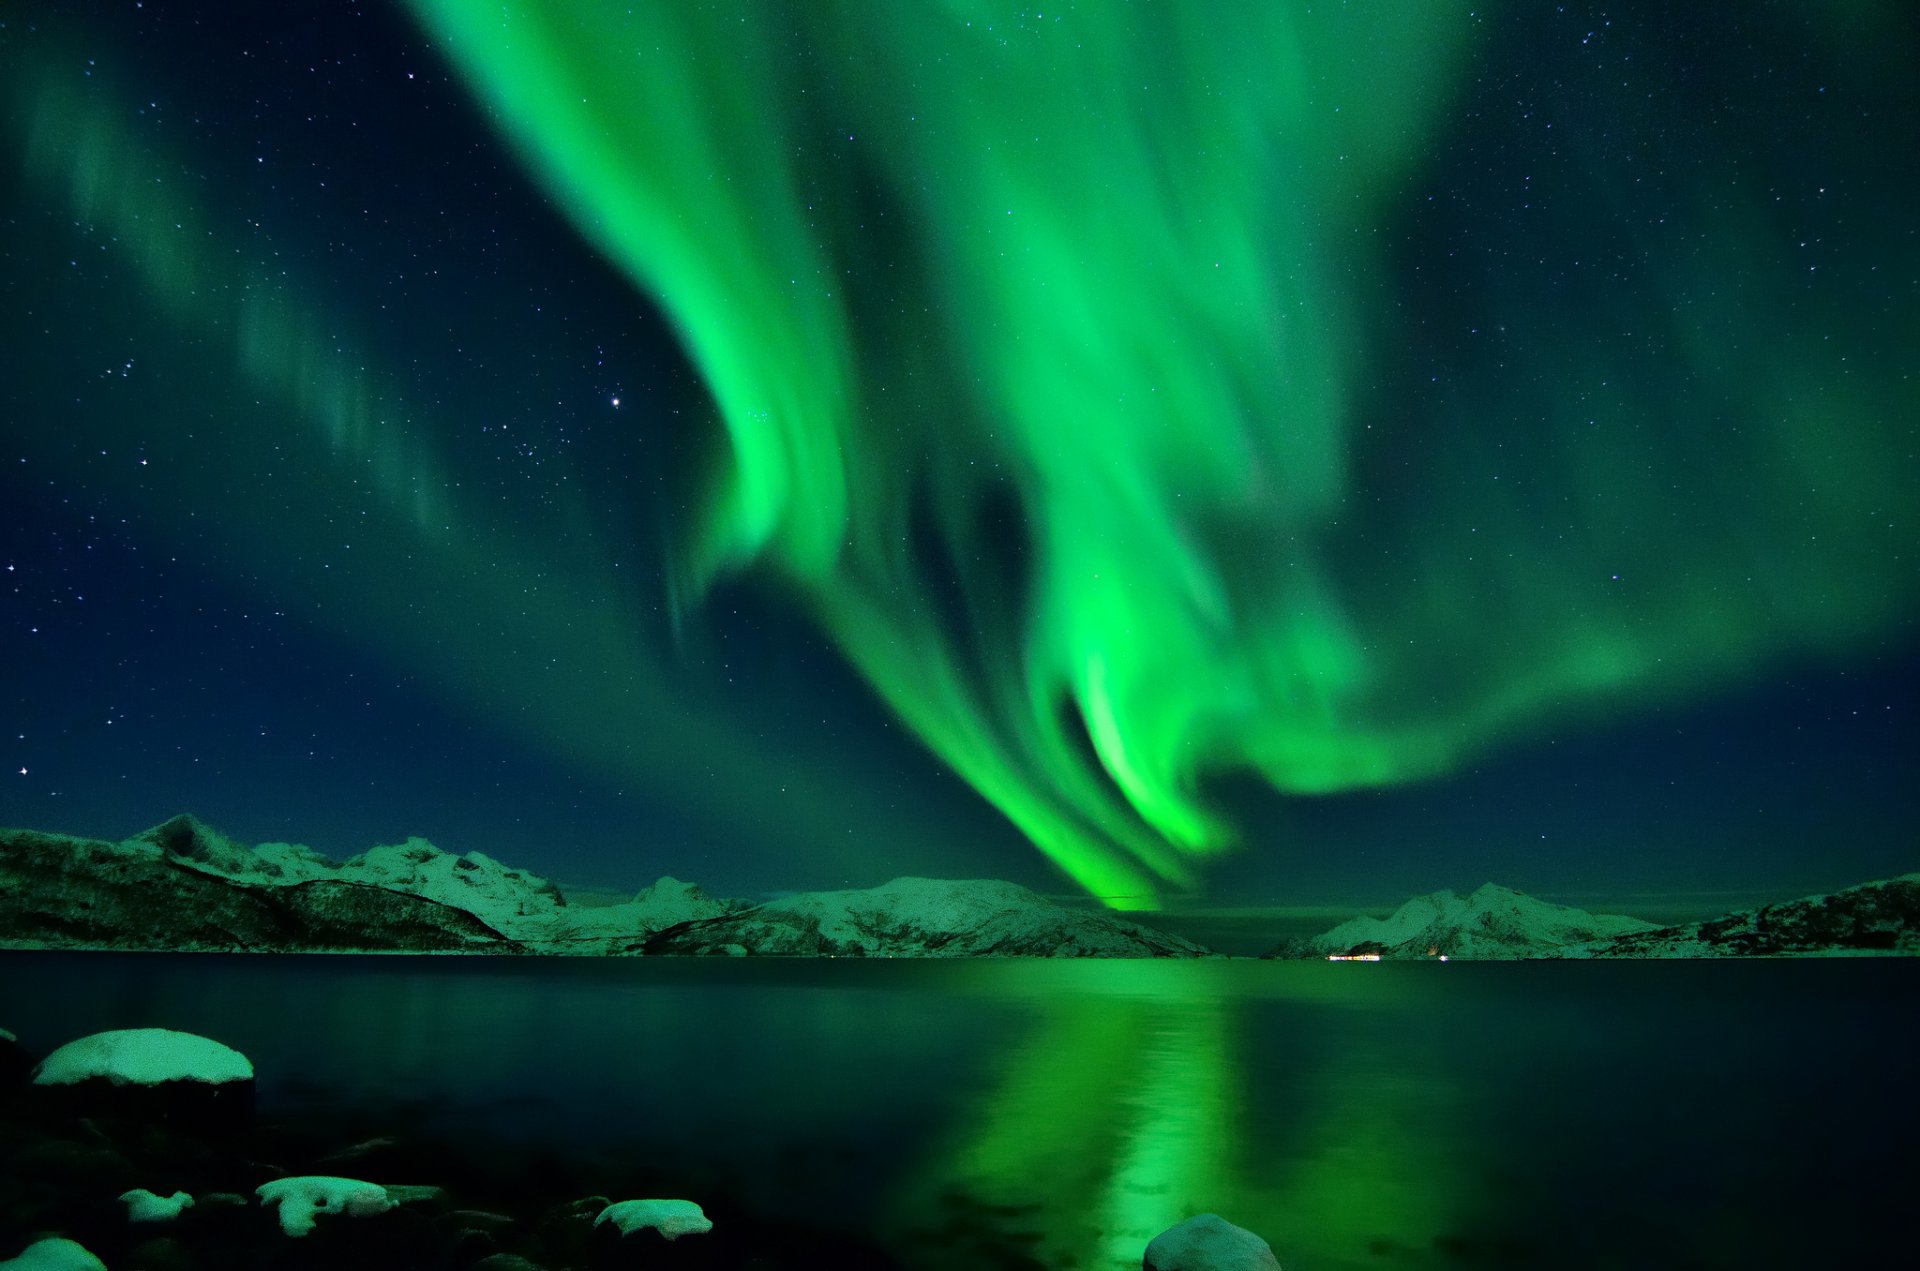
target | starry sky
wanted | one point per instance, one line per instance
(1245, 458)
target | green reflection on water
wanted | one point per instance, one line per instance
(1126, 1107)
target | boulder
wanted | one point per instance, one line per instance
(152, 1074)
(56, 1253)
(1208, 1242)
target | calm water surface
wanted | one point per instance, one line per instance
(1393, 1116)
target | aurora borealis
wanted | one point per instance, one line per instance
(1149, 404)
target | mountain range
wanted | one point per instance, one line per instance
(1498, 923)
(183, 885)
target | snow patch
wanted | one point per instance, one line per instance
(301, 1199)
(55, 1253)
(671, 1218)
(143, 1206)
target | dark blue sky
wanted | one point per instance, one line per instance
(197, 615)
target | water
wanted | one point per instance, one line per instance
(979, 1113)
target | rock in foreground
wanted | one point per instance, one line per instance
(1208, 1242)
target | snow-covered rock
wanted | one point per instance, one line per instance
(152, 1075)
(143, 1206)
(55, 1253)
(923, 918)
(301, 1199)
(671, 1218)
(1493, 922)
(143, 1057)
(1208, 1242)
(1872, 918)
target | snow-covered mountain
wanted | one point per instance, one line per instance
(1498, 922)
(1872, 918)
(923, 918)
(1493, 922)
(58, 891)
(184, 885)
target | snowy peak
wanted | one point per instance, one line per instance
(1493, 922)
(474, 882)
(186, 839)
(670, 902)
(189, 839)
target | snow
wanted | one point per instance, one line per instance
(477, 883)
(667, 903)
(301, 1198)
(56, 1253)
(143, 1056)
(670, 902)
(671, 1218)
(293, 862)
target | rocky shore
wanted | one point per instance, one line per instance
(187, 1175)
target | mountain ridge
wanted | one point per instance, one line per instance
(1498, 923)
(183, 885)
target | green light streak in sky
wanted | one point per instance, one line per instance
(1118, 267)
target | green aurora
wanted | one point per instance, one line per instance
(1067, 372)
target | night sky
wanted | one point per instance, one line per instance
(1214, 456)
